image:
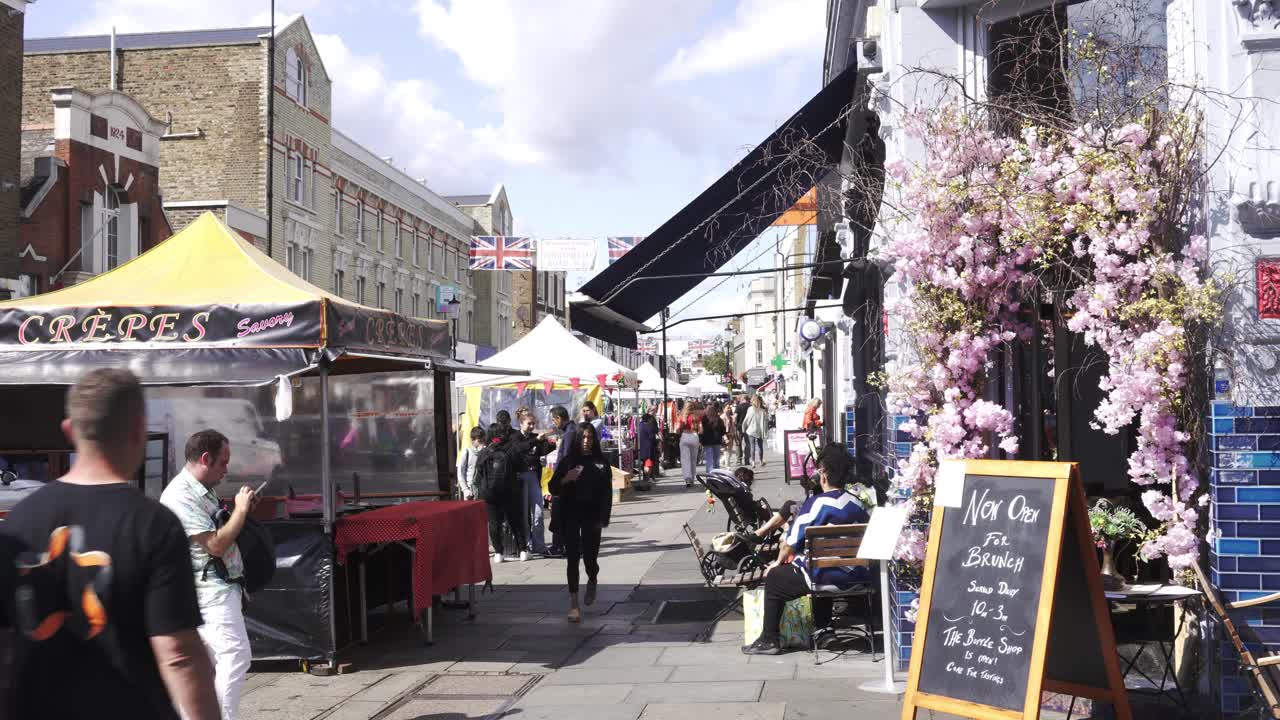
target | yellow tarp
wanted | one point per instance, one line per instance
(207, 263)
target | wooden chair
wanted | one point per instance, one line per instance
(1264, 672)
(832, 546)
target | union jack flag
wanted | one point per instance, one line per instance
(495, 252)
(702, 347)
(619, 246)
(647, 345)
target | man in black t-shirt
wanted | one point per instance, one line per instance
(95, 581)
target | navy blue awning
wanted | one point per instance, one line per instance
(721, 221)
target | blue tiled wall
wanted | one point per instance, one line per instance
(898, 445)
(1244, 560)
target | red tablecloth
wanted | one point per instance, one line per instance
(451, 537)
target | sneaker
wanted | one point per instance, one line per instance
(497, 558)
(524, 556)
(555, 551)
(590, 597)
(763, 647)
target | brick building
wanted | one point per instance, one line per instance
(12, 16)
(90, 188)
(342, 217)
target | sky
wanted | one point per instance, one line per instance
(601, 117)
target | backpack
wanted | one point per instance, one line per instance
(494, 473)
(257, 553)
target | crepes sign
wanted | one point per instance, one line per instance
(221, 325)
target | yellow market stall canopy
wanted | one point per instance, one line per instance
(204, 306)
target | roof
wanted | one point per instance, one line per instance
(548, 352)
(468, 200)
(205, 264)
(133, 41)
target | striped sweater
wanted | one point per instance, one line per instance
(835, 507)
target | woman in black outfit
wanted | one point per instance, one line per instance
(583, 486)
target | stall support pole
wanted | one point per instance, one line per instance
(662, 367)
(327, 497)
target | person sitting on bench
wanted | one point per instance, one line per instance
(788, 578)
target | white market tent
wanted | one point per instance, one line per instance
(548, 352)
(706, 385)
(651, 383)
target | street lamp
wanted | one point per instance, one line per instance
(452, 308)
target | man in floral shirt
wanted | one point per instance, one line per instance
(215, 559)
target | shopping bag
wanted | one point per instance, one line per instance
(796, 629)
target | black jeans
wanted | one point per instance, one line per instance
(508, 508)
(783, 584)
(580, 541)
(753, 448)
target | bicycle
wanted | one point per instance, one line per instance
(809, 466)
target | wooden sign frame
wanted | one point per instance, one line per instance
(1068, 504)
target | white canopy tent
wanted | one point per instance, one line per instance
(705, 385)
(651, 383)
(549, 352)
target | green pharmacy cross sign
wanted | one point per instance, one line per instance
(778, 362)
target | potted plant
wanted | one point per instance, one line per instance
(1113, 526)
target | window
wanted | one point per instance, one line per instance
(444, 267)
(399, 241)
(298, 260)
(295, 76)
(431, 307)
(360, 222)
(471, 318)
(382, 294)
(399, 307)
(295, 180)
(338, 277)
(111, 246)
(311, 183)
(417, 240)
(378, 229)
(542, 287)
(416, 300)
(433, 257)
(759, 351)
(360, 289)
(759, 318)
(337, 212)
(458, 268)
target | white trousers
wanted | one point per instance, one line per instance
(224, 634)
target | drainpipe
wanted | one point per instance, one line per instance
(112, 83)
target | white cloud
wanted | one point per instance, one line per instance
(762, 33)
(574, 82)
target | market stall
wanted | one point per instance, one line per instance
(562, 370)
(331, 404)
(705, 385)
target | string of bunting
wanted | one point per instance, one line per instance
(499, 252)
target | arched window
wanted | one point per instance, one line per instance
(295, 76)
(111, 240)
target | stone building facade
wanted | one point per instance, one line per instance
(340, 216)
(12, 21)
(1229, 50)
(90, 188)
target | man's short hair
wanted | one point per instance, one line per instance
(206, 441)
(836, 462)
(503, 417)
(105, 406)
(560, 413)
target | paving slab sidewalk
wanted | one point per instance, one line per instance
(520, 660)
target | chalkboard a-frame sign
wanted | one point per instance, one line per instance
(1019, 607)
